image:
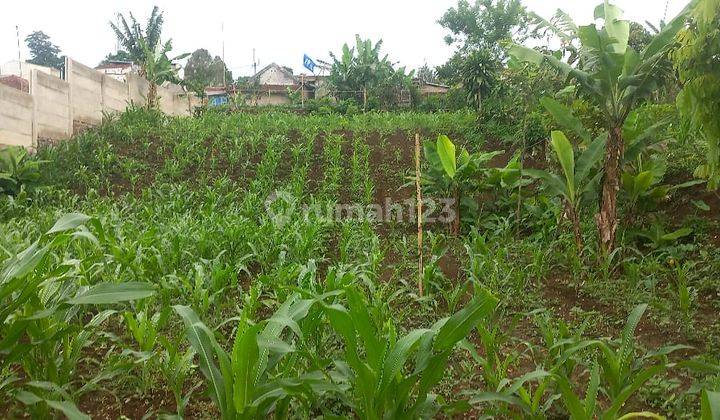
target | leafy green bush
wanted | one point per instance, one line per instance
(18, 170)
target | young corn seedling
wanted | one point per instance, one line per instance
(41, 303)
(617, 372)
(375, 358)
(175, 367)
(239, 381)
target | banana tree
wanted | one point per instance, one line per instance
(157, 68)
(578, 176)
(615, 77)
(453, 173)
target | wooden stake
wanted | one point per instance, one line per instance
(302, 91)
(421, 267)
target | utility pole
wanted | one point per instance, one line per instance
(17, 30)
(117, 40)
(222, 31)
(254, 63)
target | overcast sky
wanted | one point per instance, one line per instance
(280, 31)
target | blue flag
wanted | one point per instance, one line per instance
(308, 63)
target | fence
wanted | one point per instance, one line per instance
(55, 108)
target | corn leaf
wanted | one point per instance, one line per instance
(68, 222)
(245, 358)
(106, 293)
(461, 323)
(202, 342)
(710, 405)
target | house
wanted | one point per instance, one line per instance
(426, 88)
(117, 69)
(216, 96)
(24, 69)
(274, 74)
(272, 84)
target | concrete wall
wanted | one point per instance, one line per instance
(166, 99)
(16, 118)
(53, 113)
(115, 94)
(138, 89)
(85, 92)
(24, 69)
(273, 98)
(54, 106)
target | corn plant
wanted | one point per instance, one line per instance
(617, 372)
(239, 381)
(375, 357)
(42, 306)
(176, 366)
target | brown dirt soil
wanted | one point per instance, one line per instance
(564, 297)
(105, 406)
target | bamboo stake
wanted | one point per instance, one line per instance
(421, 267)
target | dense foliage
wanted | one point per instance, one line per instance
(361, 73)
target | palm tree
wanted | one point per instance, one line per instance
(614, 77)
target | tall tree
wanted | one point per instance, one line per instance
(426, 74)
(203, 70)
(697, 60)
(130, 35)
(120, 55)
(42, 51)
(479, 32)
(147, 50)
(615, 78)
(485, 24)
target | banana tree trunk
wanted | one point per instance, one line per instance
(606, 219)
(575, 220)
(456, 222)
(152, 95)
